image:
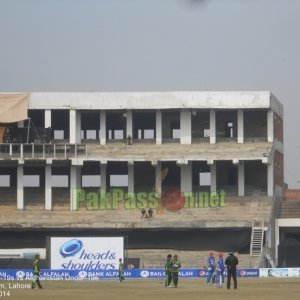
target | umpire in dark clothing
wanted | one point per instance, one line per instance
(231, 262)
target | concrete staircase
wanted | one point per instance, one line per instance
(289, 209)
(173, 151)
(238, 212)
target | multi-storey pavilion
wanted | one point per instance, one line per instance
(208, 141)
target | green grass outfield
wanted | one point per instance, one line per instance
(146, 289)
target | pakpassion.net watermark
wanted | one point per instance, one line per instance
(172, 199)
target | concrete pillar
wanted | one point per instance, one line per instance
(20, 187)
(72, 133)
(75, 183)
(186, 177)
(270, 126)
(241, 179)
(48, 188)
(277, 241)
(158, 127)
(78, 127)
(129, 130)
(240, 126)
(130, 176)
(102, 127)
(270, 179)
(48, 118)
(75, 127)
(185, 127)
(103, 175)
(213, 174)
(212, 126)
(157, 176)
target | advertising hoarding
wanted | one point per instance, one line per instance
(280, 272)
(25, 274)
(86, 253)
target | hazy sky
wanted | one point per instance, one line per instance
(157, 45)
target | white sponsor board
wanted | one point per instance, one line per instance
(279, 272)
(86, 253)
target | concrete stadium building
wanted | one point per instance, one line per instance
(209, 166)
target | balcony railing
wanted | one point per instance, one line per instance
(42, 151)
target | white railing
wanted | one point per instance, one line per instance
(42, 151)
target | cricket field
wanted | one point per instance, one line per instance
(146, 289)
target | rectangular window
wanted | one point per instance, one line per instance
(91, 134)
(59, 134)
(206, 133)
(176, 134)
(60, 180)
(119, 135)
(31, 180)
(118, 180)
(91, 180)
(4, 181)
(205, 179)
(149, 134)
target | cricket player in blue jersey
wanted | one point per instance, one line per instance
(210, 267)
(219, 272)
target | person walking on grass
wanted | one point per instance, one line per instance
(121, 270)
(36, 273)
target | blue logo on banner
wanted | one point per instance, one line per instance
(70, 248)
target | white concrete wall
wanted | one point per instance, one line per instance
(152, 100)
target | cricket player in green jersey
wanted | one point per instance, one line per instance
(175, 270)
(121, 270)
(36, 273)
(168, 271)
